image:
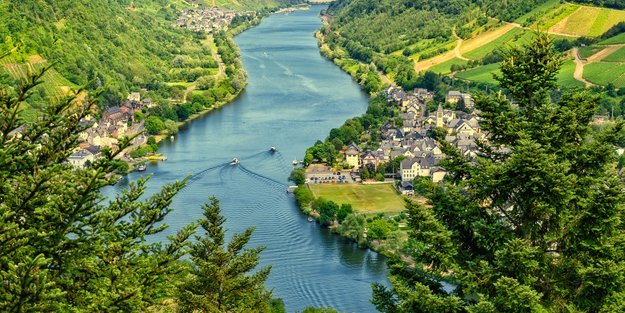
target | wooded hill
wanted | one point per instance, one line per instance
(402, 38)
(121, 45)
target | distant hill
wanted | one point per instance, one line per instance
(405, 37)
(123, 45)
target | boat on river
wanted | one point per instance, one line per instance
(310, 219)
(141, 168)
(273, 149)
(234, 161)
(295, 162)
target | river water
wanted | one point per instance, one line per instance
(293, 98)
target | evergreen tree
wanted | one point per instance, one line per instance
(534, 223)
(220, 280)
(62, 248)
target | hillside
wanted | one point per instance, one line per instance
(405, 38)
(120, 45)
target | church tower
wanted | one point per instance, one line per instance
(439, 116)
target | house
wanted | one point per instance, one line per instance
(79, 159)
(134, 97)
(352, 156)
(437, 174)
(18, 132)
(454, 96)
(370, 160)
(406, 188)
(415, 167)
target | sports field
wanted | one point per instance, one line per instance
(380, 198)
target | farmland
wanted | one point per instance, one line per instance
(618, 56)
(603, 73)
(482, 74)
(589, 21)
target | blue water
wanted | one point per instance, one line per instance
(293, 98)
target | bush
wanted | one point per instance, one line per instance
(154, 125)
(298, 176)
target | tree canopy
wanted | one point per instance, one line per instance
(534, 223)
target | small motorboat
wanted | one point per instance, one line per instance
(141, 168)
(234, 161)
(310, 219)
(295, 162)
(273, 149)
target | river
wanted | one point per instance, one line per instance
(294, 97)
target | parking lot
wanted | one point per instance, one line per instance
(324, 175)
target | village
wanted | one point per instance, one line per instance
(206, 20)
(116, 122)
(411, 141)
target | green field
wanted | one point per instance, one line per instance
(364, 198)
(514, 36)
(482, 74)
(588, 51)
(617, 56)
(618, 39)
(603, 73)
(590, 21)
(565, 77)
(445, 67)
(539, 11)
(555, 16)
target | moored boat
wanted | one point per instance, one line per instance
(234, 161)
(141, 168)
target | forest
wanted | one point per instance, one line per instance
(119, 45)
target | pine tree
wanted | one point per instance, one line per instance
(534, 223)
(62, 248)
(221, 278)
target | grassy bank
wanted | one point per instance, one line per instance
(367, 199)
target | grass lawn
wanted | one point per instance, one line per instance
(589, 21)
(370, 199)
(588, 51)
(617, 56)
(445, 67)
(618, 39)
(482, 74)
(565, 76)
(602, 73)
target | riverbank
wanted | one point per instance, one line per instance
(290, 100)
(298, 7)
(370, 215)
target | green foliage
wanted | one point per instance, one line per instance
(276, 306)
(223, 278)
(343, 212)
(298, 176)
(380, 229)
(615, 4)
(327, 210)
(154, 125)
(533, 229)
(353, 227)
(64, 248)
(304, 197)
